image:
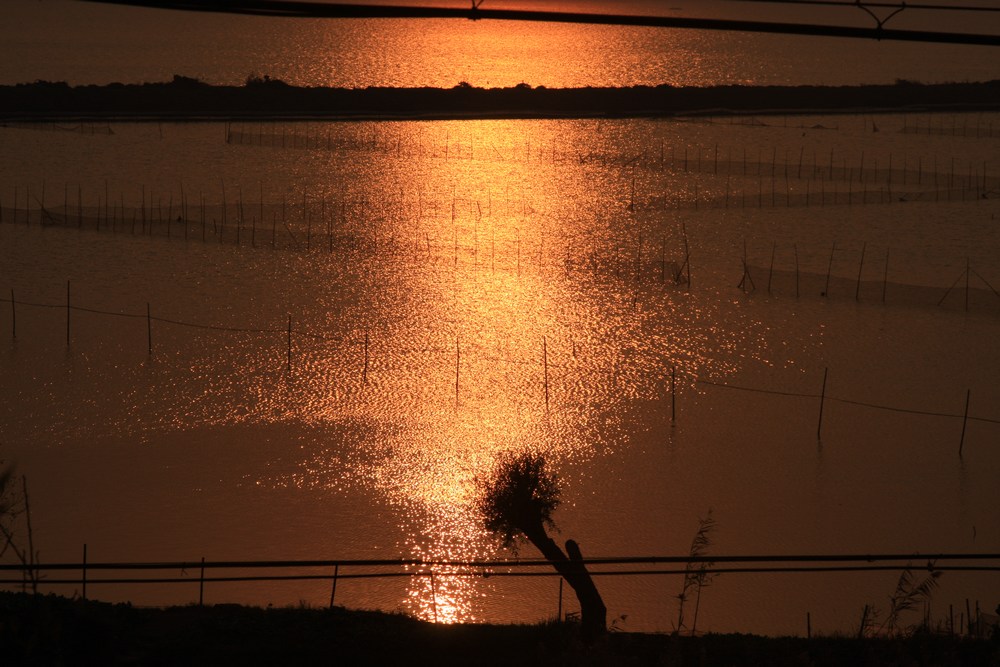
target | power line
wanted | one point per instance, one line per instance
(878, 5)
(866, 559)
(279, 8)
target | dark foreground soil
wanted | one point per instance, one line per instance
(187, 98)
(52, 630)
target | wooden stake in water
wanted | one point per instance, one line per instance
(822, 399)
(965, 421)
(458, 358)
(13, 316)
(687, 259)
(333, 589)
(67, 312)
(829, 269)
(545, 367)
(433, 586)
(289, 342)
(673, 395)
(308, 222)
(746, 282)
(149, 329)
(201, 584)
(83, 576)
(559, 609)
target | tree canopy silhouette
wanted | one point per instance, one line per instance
(518, 501)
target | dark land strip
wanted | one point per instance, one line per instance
(52, 630)
(269, 99)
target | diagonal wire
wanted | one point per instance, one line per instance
(303, 9)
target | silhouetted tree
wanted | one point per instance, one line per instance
(518, 502)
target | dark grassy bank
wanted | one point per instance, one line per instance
(186, 98)
(51, 630)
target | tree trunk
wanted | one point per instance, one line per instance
(593, 613)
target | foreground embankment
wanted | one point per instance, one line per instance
(185, 99)
(52, 630)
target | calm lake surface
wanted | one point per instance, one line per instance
(461, 289)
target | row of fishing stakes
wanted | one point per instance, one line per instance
(555, 152)
(307, 221)
(365, 367)
(865, 171)
(746, 281)
(458, 356)
(747, 284)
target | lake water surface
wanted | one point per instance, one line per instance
(461, 289)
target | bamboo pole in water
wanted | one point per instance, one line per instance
(333, 589)
(308, 222)
(83, 575)
(545, 366)
(687, 258)
(673, 395)
(965, 421)
(67, 312)
(829, 270)
(822, 399)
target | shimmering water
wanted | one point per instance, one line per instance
(79, 42)
(437, 276)
(460, 289)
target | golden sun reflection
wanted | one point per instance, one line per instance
(490, 309)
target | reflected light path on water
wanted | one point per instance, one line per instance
(471, 328)
(503, 254)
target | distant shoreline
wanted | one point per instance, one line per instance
(187, 99)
